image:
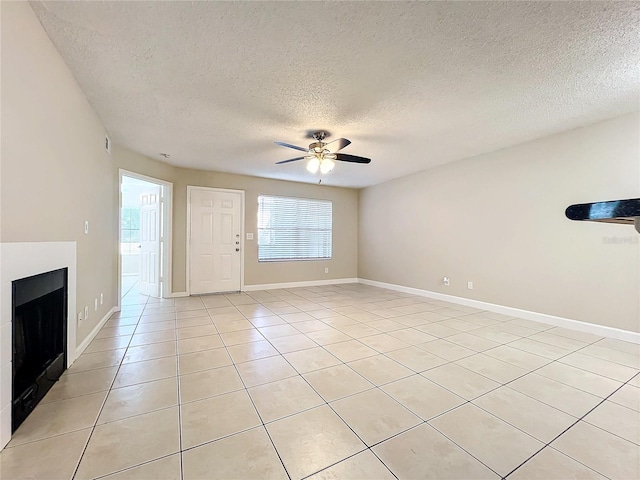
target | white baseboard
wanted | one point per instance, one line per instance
(85, 343)
(312, 283)
(601, 330)
(179, 294)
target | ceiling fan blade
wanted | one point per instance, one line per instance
(290, 160)
(338, 144)
(343, 157)
(282, 144)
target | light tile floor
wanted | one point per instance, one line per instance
(345, 381)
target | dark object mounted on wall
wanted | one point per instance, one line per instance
(613, 211)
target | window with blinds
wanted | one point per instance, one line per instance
(293, 228)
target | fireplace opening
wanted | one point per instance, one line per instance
(39, 308)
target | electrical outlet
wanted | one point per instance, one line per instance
(445, 281)
(249, 236)
(470, 285)
(101, 298)
(326, 270)
(86, 313)
(95, 305)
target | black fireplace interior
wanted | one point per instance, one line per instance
(39, 339)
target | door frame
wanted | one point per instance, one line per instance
(167, 229)
(191, 188)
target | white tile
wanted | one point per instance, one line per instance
(621, 421)
(629, 396)
(600, 450)
(425, 453)
(313, 440)
(423, 397)
(599, 366)
(622, 357)
(501, 426)
(619, 345)
(364, 465)
(528, 414)
(578, 378)
(575, 334)
(492, 368)
(550, 464)
(563, 397)
(461, 381)
(374, 415)
(494, 442)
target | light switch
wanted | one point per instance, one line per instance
(249, 236)
(86, 226)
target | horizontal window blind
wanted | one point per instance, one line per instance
(293, 228)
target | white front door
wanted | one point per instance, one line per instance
(150, 239)
(215, 240)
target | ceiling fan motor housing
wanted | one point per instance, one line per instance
(320, 136)
(316, 147)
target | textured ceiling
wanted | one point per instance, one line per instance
(412, 85)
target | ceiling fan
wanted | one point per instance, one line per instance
(321, 156)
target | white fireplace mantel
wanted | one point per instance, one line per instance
(20, 260)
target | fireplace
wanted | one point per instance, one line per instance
(19, 260)
(39, 327)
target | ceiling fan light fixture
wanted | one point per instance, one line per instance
(326, 165)
(313, 164)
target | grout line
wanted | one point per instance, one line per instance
(130, 288)
(336, 463)
(426, 422)
(382, 462)
(531, 371)
(257, 412)
(262, 384)
(329, 404)
(136, 466)
(179, 392)
(93, 428)
(579, 419)
(322, 296)
(30, 442)
(317, 406)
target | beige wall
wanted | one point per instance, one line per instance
(55, 173)
(344, 262)
(134, 162)
(345, 221)
(498, 220)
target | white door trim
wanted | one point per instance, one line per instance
(191, 188)
(167, 222)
